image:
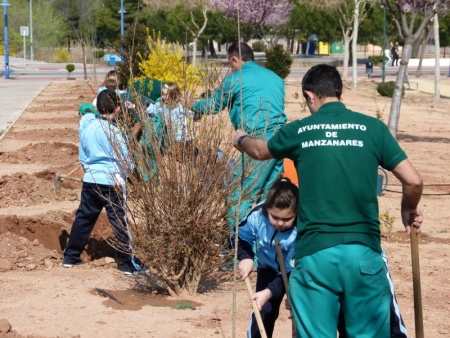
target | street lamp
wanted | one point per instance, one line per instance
(5, 4)
(383, 62)
(31, 31)
(122, 12)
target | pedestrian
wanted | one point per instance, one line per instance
(106, 163)
(270, 220)
(394, 54)
(254, 96)
(338, 261)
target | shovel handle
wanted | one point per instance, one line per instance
(418, 314)
(71, 172)
(259, 321)
(285, 278)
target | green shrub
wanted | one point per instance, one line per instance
(258, 46)
(387, 89)
(70, 67)
(99, 53)
(279, 61)
(376, 60)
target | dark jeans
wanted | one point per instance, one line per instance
(95, 197)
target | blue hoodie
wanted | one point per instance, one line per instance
(103, 153)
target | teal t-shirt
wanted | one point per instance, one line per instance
(257, 107)
(337, 153)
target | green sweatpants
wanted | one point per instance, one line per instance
(351, 277)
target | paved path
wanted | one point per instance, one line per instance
(15, 96)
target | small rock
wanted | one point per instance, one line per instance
(31, 267)
(99, 262)
(22, 254)
(109, 260)
(5, 326)
(5, 265)
(48, 263)
(72, 197)
(20, 246)
(55, 254)
(36, 242)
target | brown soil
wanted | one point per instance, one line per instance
(39, 298)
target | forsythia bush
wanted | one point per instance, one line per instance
(165, 63)
(62, 55)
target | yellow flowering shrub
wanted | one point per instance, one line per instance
(165, 63)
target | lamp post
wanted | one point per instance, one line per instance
(122, 12)
(31, 32)
(383, 57)
(5, 4)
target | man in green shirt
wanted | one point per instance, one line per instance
(254, 96)
(338, 262)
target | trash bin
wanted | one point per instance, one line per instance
(369, 69)
(112, 61)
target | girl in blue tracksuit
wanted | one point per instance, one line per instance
(270, 220)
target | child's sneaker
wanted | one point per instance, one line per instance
(69, 264)
(134, 267)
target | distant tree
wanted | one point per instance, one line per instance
(411, 18)
(184, 12)
(49, 27)
(134, 49)
(256, 14)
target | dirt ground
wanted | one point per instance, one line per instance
(39, 298)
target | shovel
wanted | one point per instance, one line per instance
(59, 178)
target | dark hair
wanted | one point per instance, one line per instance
(324, 81)
(282, 195)
(246, 51)
(107, 101)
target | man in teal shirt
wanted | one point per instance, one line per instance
(338, 264)
(256, 106)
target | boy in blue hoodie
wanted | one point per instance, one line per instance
(104, 153)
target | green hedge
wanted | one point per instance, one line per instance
(279, 61)
(387, 89)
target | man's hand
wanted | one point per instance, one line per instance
(238, 133)
(412, 218)
(245, 267)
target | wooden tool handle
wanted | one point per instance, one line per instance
(71, 172)
(284, 276)
(418, 315)
(259, 321)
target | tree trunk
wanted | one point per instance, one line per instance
(394, 115)
(423, 48)
(346, 56)
(354, 47)
(437, 66)
(212, 50)
(83, 49)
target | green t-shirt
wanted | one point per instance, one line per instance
(337, 153)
